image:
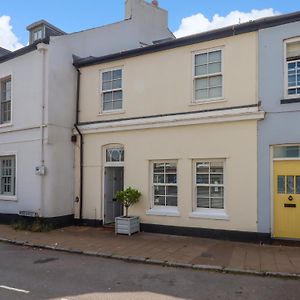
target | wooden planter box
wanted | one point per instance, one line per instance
(128, 225)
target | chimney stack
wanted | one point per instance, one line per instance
(155, 3)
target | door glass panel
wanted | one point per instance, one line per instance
(290, 184)
(297, 184)
(280, 184)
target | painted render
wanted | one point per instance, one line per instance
(148, 91)
(52, 195)
(281, 125)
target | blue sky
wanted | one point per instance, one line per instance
(75, 15)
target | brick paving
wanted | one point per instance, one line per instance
(166, 248)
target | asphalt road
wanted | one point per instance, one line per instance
(27, 273)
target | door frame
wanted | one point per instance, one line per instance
(272, 160)
(111, 165)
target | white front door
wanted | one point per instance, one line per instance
(113, 182)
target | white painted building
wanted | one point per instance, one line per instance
(38, 108)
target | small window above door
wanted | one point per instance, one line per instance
(115, 154)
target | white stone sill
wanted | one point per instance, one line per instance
(163, 212)
(209, 215)
(8, 198)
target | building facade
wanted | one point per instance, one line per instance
(38, 108)
(279, 135)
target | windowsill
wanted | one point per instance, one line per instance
(8, 198)
(6, 125)
(163, 211)
(207, 101)
(210, 214)
(112, 112)
(290, 100)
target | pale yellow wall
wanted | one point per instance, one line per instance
(235, 141)
(162, 82)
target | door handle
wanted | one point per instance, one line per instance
(290, 198)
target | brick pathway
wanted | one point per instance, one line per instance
(166, 248)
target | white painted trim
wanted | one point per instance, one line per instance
(271, 190)
(210, 214)
(230, 115)
(163, 211)
(14, 197)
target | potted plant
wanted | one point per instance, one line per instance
(126, 224)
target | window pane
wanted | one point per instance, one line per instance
(217, 191)
(216, 179)
(202, 167)
(171, 178)
(171, 190)
(107, 106)
(216, 167)
(170, 168)
(214, 68)
(203, 191)
(202, 202)
(171, 201)
(214, 56)
(215, 92)
(118, 95)
(106, 85)
(281, 184)
(200, 59)
(217, 203)
(291, 66)
(297, 184)
(201, 83)
(290, 184)
(115, 155)
(201, 70)
(117, 84)
(287, 151)
(202, 179)
(291, 80)
(159, 190)
(201, 94)
(106, 76)
(292, 91)
(158, 178)
(117, 104)
(215, 81)
(160, 200)
(107, 97)
(117, 74)
(159, 167)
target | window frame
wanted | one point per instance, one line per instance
(8, 197)
(194, 77)
(154, 207)
(34, 32)
(2, 79)
(209, 213)
(111, 111)
(286, 62)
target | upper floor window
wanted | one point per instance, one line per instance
(293, 68)
(208, 78)
(8, 175)
(5, 108)
(112, 94)
(37, 35)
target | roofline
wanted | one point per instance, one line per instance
(22, 51)
(228, 31)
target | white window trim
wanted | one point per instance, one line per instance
(14, 197)
(207, 100)
(112, 163)
(208, 213)
(112, 111)
(3, 77)
(285, 67)
(160, 210)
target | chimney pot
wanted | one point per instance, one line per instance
(155, 3)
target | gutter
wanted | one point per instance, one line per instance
(81, 144)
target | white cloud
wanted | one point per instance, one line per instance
(199, 23)
(8, 39)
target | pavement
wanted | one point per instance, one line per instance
(166, 250)
(34, 273)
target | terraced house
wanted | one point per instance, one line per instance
(38, 108)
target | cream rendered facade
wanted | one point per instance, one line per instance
(161, 122)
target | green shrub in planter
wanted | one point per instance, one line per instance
(128, 197)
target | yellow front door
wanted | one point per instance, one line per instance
(287, 199)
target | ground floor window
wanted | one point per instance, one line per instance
(209, 181)
(164, 183)
(8, 175)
